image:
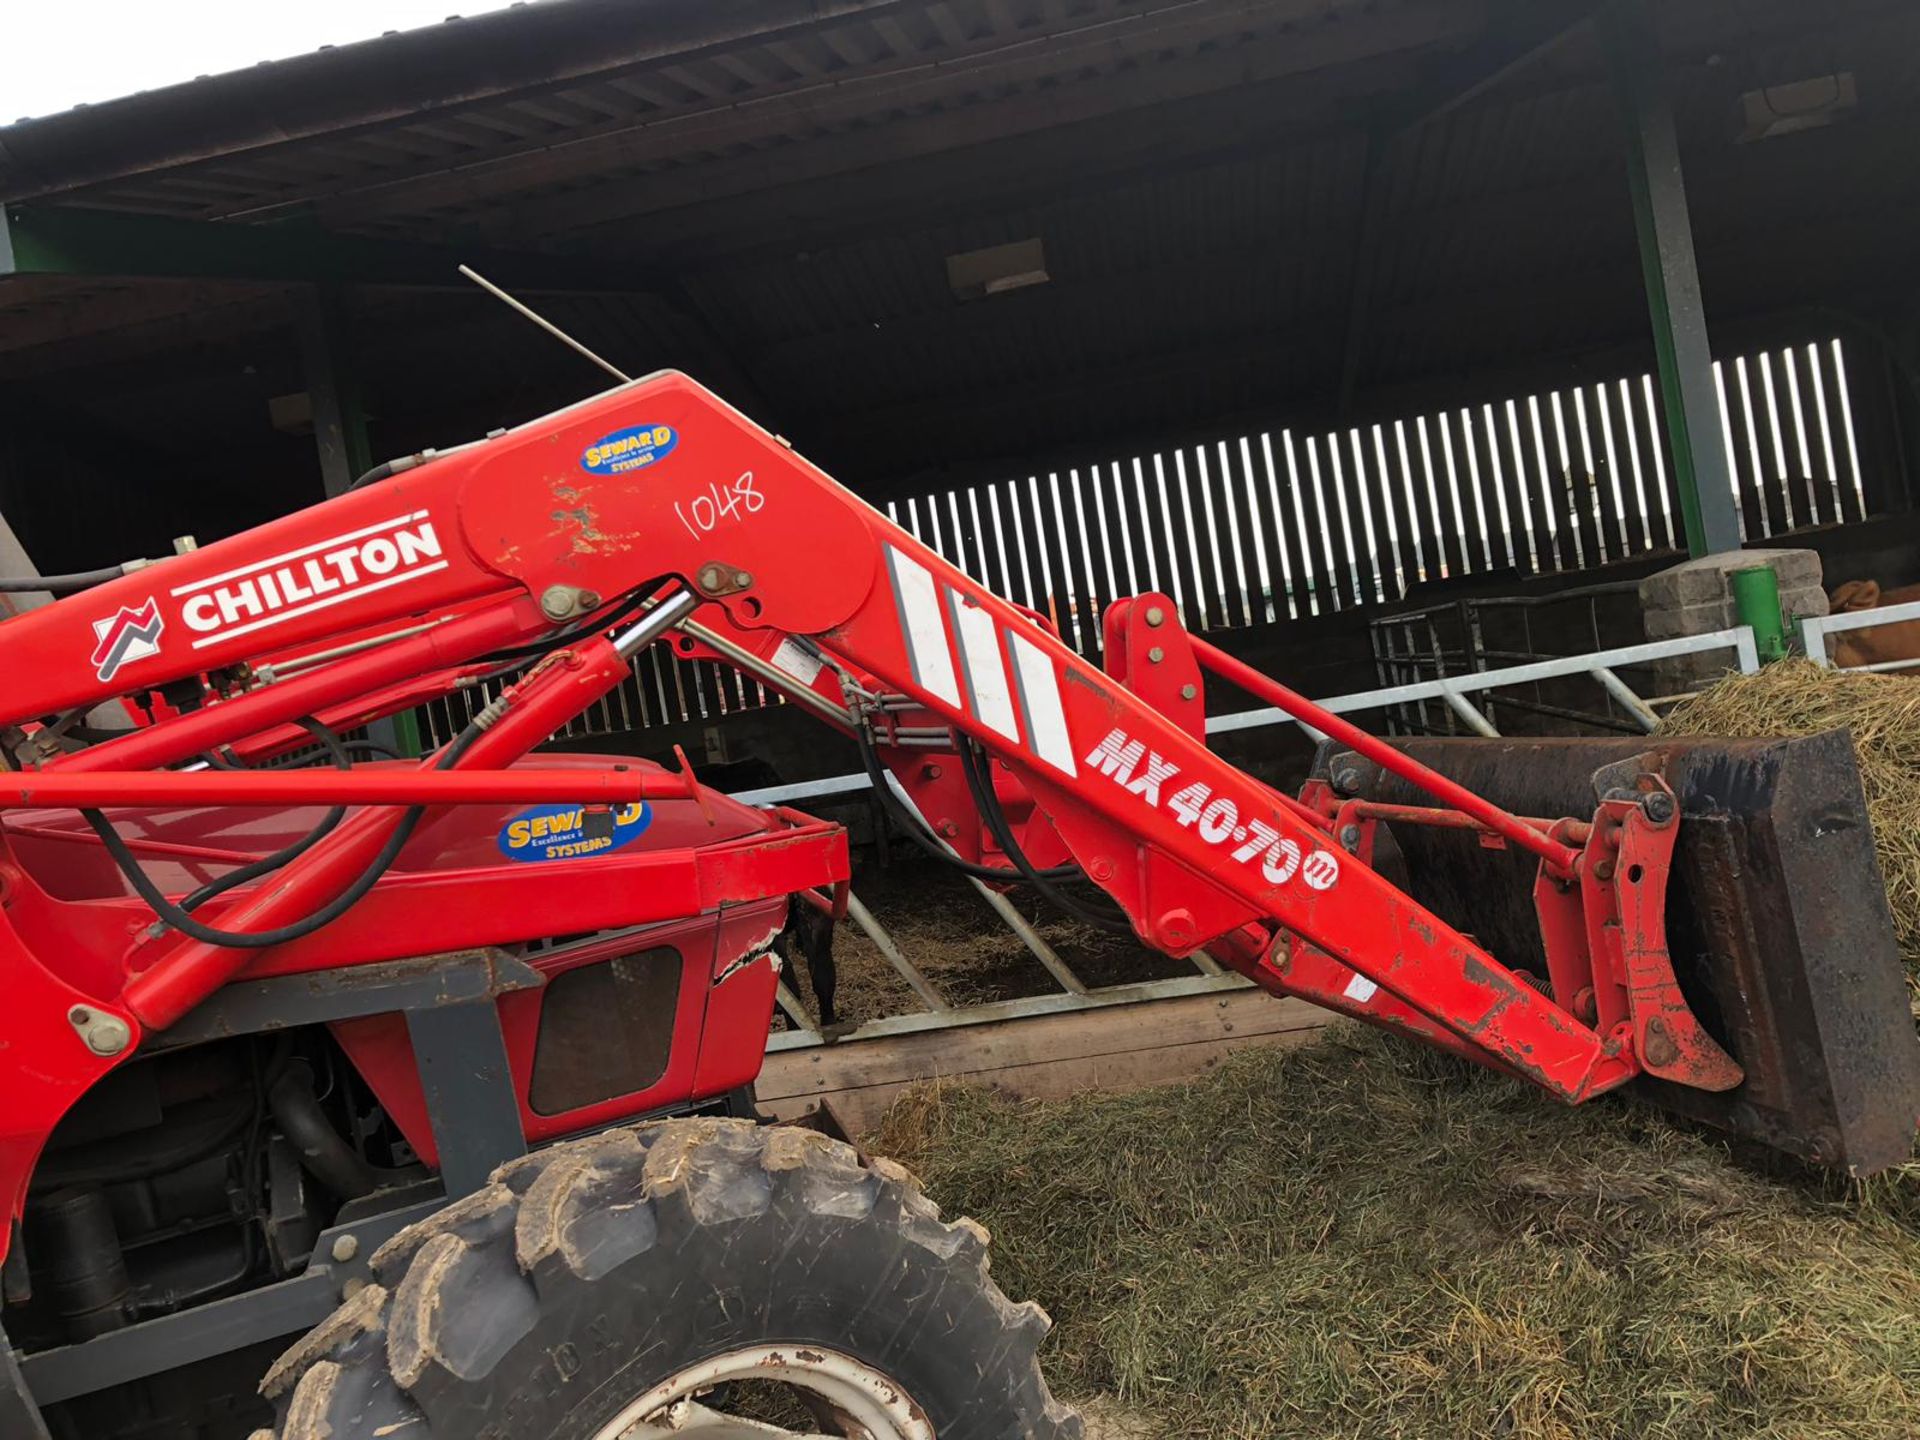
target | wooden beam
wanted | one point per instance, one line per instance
(1124, 1047)
(333, 387)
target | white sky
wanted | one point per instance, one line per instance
(55, 54)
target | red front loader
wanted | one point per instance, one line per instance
(371, 1035)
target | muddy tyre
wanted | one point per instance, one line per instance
(622, 1284)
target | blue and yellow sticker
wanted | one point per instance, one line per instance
(559, 832)
(633, 448)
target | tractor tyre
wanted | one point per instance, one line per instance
(650, 1280)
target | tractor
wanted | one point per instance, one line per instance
(444, 1064)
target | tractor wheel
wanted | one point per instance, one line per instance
(704, 1279)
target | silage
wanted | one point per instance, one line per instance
(1797, 697)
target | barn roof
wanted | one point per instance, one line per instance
(1285, 206)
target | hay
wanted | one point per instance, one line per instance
(1363, 1238)
(1797, 697)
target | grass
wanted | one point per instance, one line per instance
(1361, 1238)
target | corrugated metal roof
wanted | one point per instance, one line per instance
(1196, 170)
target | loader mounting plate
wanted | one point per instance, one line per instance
(1776, 917)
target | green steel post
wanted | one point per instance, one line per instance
(1756, 603)
(1699, 460)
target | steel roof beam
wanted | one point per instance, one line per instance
(68, 240)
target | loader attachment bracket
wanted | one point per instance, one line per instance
(1776, 925)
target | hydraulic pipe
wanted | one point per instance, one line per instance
(455, 643)
(1512, 827)
(382, 785)
(562, 685)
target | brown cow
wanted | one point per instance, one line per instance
(1882, 643)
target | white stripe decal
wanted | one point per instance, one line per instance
(285, 615)
(980, 662)
(1040, 704)
(273, 560)
(926, 636)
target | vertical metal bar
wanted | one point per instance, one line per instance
(1062, 973)
(791, 1007)
(468, 1086)
(928, 992)
(19, 1416)
(1630, 702)
(333, 392)
(1672, 278)
(1476, 722)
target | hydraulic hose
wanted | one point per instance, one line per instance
(267, 864)
(178, 919)
(60, 584)
(912, 827)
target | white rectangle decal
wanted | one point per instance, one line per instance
(799, 662)
(926, 635)
(1040, 704)
(985, 671)
(1360, 988)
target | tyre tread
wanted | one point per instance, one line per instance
(534, 1220)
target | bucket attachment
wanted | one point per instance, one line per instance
(1776, 919)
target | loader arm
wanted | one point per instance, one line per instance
(561, 521)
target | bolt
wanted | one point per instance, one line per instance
(948, 828)
(345, 1247)
(557, 602)
(741, 579)
(1188, 692)
(104, 1034)
(932, 772)
(1101, 869)
(1660, 1047)
(1156, 617)
(1156, 655)
(1176, 926)
(1350, 837)
(589, 600)
(1658, 806)
(1603, 870)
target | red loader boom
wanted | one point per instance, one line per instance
(659, 494)
(657, 512)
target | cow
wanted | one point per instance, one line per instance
(1879, 644)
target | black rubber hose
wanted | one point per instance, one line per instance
(60, 584)
(980, 784)
(324, 1152)
(176, 918)
(916, 831)
(267, 864)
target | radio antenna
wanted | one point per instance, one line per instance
(545, 324)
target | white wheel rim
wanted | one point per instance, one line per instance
(864, 1403)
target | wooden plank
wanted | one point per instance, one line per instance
(1120, 1048)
